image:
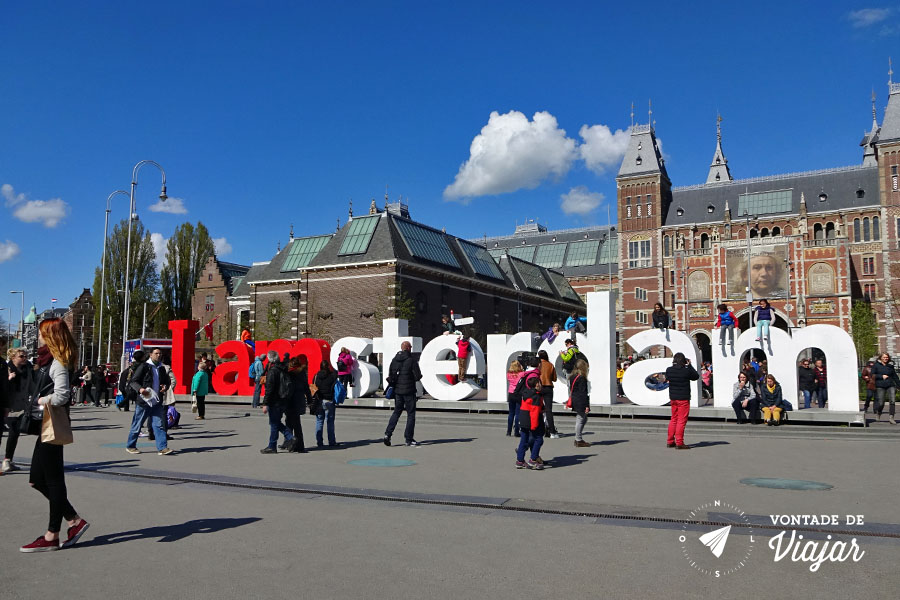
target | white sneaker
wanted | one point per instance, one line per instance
(554, 436)
(6, 466)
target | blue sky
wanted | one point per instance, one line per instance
(266, 114)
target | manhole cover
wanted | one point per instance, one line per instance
(382, 462)
(785, 484)
(122, 445)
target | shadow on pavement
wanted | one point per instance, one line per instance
(106, 464)
(609, 442)
(568, 461)
(212, 434)
(207, 449)
(94, 427)
(447, 441)
(357, 443)
(705, 444)
(170, 533)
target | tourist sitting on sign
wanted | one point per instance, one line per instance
(762, 317)
(656, 382)
(660, 317)
(576, 324)
(771, 401)
(550, 334)
(462, 356)
(571, 355)
(447, 326)
(247, 338)
(725, 321)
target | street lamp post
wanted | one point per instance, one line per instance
(22, 322)
(131, 213)
(8, 318)
(103, 274)
(749, 293)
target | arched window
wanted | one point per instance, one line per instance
(818, 232)
(764, 232)
(638, 210)
(876, 230)
(829, 231)
(857, 232)
(704, 240)
(667, 245)
(754, 233)
(867, 233)
(776, 231)
(628, 212)
(648, 209)
(787, 230)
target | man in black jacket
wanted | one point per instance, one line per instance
(150, 381)
(274, 404)
(402, 375)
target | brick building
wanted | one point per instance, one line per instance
(376, 266)
(823, 239)
(80, 319)
(218, 281)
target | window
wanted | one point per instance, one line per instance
(641, 317)
(523, 252)
(765, 202)
(764, 232)
(628, 212)
(359, 234)
(638, 210)
(628, 200)
(609, 252)
(868, 265)
(876, 230)
(210, 303)
(776, 231)
(672, 278)
(639, 253)
(550, 256)
(704, 240)
(210, 277)
(866, 231)
(857, 235)
(672, 303)
(582, 253)
(818, 232)
(302, 251)
(898, 232)
(648, 209)
(640, 294)
(422, 242)
(667, 245)
(829, 230)
(754, 233)
(480, 261)
(870, 291)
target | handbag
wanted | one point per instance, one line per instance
(56, 428)
(27, 418)
(569, 401)
(389, 392)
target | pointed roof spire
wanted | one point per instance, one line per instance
(868, 142)
(650, 112)
(890, 72)
(890, 121)
(350, 212)
(291, 234)
(718, 170)
(632, 114)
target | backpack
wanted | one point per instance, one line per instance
(341, 365)
(128, 392)
(340, 392)
(285, 386)
(569, 364)
(250, 371)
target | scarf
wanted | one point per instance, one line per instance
(44, 357)
(770, 388)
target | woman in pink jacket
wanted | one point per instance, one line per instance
(345, 366)
(513, 376)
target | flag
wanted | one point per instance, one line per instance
(207, 329)
(53, 300)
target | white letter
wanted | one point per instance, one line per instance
(502, 349)
(434, 365)
(365, 376)
(633, 381)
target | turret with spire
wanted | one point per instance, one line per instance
(718, 170)
(890, 124)
(869, 139)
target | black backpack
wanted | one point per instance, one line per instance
(285, 386)
(569, 365)
(126, 390)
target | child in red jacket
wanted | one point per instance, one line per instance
(531, 424)
(462, 355)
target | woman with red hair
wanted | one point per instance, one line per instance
(55, 359)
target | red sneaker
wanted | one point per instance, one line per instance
(75, 532)
(40, 545)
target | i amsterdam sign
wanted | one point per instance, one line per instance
(598, 344)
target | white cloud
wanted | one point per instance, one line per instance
(173, 206)
(513, 153)
(223, 248)
(47, 212)
(866, 17)
(580, 201)
(8, 250)
(159, 246)
(602, 149)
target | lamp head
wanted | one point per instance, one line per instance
(162, 194)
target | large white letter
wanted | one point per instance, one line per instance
(434, 366)
(365, 376)
(599, 345)
(502, 349)
(633, 381)
(394, 333)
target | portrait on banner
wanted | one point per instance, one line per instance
(767, 271)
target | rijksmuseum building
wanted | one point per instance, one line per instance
(812, 243)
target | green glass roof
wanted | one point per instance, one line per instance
(426, 243)
(359, 235)
(532, 277)
(583, 253)
(563, 286)
(302, 251)
(550, 255)
(760, 203)
(609, 252)
(480, 260)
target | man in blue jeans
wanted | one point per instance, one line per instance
(149, 380)
(258, 370)
(274, 404)
(822, 382)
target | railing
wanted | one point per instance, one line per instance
(764, 178)
(519, 236)
(640, 128)
(895, 88)
(825, 242)
(698, 251)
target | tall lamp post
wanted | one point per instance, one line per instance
(749, 292)
(22, 322)
(163, 197)
(9, 317)
(103, 273)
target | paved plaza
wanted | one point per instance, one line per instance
(454, 519)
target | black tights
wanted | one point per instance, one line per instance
(48, 477)
(292, 419)
(13, 440)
